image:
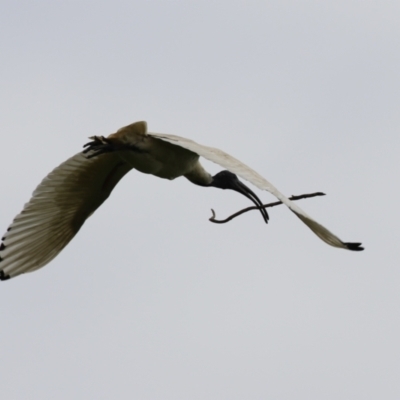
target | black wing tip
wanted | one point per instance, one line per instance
(3, 276)
(354, 246)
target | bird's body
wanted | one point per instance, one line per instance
(74, 190)
(150, 155)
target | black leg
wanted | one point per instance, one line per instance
(97, 146)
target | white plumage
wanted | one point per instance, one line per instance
(73, 191)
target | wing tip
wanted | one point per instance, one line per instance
(3, 276)
(354, 246)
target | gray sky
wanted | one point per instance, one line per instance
(152, 301)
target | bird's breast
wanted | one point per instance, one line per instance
(161, 159)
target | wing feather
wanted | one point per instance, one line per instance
(58, 208)
(237, 167)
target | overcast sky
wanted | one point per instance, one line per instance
(151, 300)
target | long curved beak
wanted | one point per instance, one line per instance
(245, 191)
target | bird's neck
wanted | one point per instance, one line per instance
(199, 176)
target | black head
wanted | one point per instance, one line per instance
(228, 180)
(224, 180)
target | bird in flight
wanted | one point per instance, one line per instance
(74, 190)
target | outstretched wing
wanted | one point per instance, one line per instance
(237, 167)
(58, 208)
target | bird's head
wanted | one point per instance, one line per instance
(228, 180)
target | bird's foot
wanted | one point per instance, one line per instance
(97, 146)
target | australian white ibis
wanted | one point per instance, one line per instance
(73, 191)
